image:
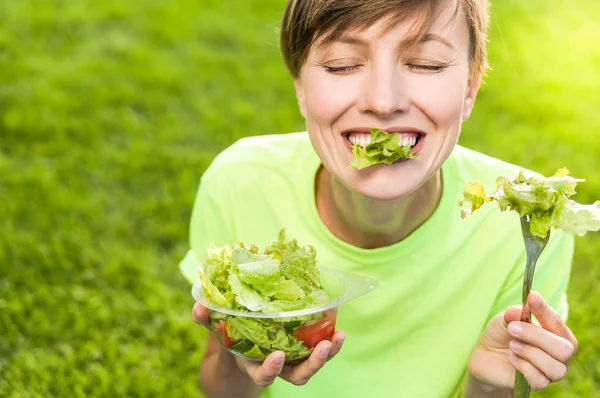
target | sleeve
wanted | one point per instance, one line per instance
(551, 277)
(210, 221)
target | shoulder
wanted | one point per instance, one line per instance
(262, 151)
(475, 163)
(476, 166)
(260, 160)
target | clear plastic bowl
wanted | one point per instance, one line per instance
(264, 333)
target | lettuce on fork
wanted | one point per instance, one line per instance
(383, 148)
(282, 278)
(547, 200)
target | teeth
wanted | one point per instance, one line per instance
(405, 140)
(363, 139)
(359, 139)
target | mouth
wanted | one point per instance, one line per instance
(408, 136)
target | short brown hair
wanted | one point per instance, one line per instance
(306, 20)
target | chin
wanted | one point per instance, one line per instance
(384, 182)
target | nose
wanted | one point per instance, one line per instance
(384, 93)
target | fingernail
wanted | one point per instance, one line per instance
(516, 345)
(512, 357)
(538, 300)
(340, 340)
(325, 351)
(515, 328)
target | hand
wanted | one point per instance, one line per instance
(264, 374)
(540, 353)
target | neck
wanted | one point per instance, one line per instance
(368, 223)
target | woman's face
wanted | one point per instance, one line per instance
(371, 78)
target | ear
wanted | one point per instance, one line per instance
(470, 96)
(300, 96)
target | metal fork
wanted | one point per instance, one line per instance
(533, 246)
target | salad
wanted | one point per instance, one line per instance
(284, 277)
(383, 148)
(546, 200)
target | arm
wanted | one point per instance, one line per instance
(476, 389)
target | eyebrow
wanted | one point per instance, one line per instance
(345, 39)
(355, 41)
(434, 37)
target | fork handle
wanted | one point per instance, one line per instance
(522, 388)
(525, 314)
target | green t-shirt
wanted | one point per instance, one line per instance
(412, 337)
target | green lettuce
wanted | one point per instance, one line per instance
(211, 291)
(546, 200)
(245, 295)
(282, 278)
(383, 148)
(217, 265)
(298, 263)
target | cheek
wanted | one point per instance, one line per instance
(442, 100)
(326, 99)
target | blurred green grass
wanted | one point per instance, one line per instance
(109, 113)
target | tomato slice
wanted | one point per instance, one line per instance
(222, 328)
(311, 333)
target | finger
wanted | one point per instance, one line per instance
(558, 347)
(536, 379)
(549, 366)
(512, 314)
(200, 314)
(264, 374)
(549, 318)
(336, 343)
(301, 373)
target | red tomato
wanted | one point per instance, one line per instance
(222, 327)
(311, 333)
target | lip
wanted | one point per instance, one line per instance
(391, 130)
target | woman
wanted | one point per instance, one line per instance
(443, 322)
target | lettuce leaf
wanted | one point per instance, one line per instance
(242, 255)
(298, 263)
(266, 335)
(316, 298)
(211, 291)
(265, 276)
(255, 353)
(546, 200)
(283, 290)
(383, 148)
(217, 265)
(245, 295)
(262, 272)
(576, 218)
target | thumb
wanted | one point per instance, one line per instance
(496, 334)
(200, 315)
(512, 314)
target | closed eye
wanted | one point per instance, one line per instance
(427, 67)
(341, 69)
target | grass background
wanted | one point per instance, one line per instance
(111, 110)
